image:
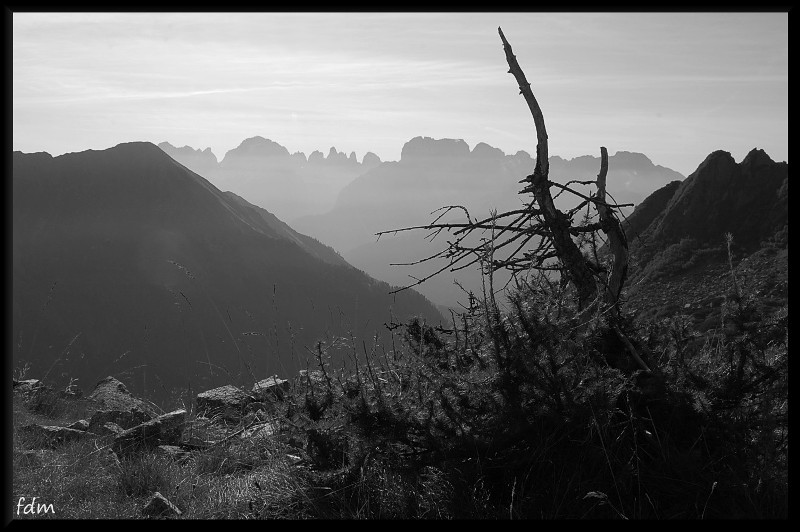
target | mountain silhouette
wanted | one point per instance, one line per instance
(264, 172)
(748, 199)
(433, 173)
(125, 262)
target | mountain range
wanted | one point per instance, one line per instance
(126, 262)
(288, 184)
(433, 173)
(344, 203)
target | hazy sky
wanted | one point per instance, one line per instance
(673, 86)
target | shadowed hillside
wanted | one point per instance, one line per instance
(125, 262)
(679, 252)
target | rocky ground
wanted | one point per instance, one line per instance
(112, 455)
(701, 291)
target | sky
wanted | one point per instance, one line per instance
(673, 86)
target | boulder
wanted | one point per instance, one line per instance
(43, 436)
(31, 388)
(160, 506)
(111, 394)
(109, 428)
(259, 432)
(27, 386)
(166, 429)
(124, 418)
(270, 389)
(81, 424)
(226, 401)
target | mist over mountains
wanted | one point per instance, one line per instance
(368, 197)
(435, 173)
(125, 262)
(264, 172)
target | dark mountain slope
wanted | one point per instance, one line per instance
(679, 255)
(723, 196)
(125, 261)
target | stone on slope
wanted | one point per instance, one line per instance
(108, 428)
(226, 401)
(166, 429)
(124, 418)
(27, 385)
(81, 424)
(270, 388)
(43, 436)
(160, 506)
(111, 394)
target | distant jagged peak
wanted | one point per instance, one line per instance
(336, 157)
(621, 158)
(259, 147)
(370, 160)
(421, 148)
(485, 151)
(316, 157)
(633, 158)
(188, 151)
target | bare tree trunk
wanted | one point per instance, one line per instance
(616, 236)
(575, 267)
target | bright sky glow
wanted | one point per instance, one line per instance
(673, 86)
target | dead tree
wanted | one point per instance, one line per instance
(597, 288)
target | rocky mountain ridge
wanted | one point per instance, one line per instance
(680, 257)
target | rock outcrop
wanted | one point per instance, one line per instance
(44, 436)
(124, 418)
(107, 428)
(166, 429)
(81, 424)
(227, 401)
(160, 506)
(269, 389)
(29, 387)
(110, 394)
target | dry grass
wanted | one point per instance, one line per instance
(238, 479)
